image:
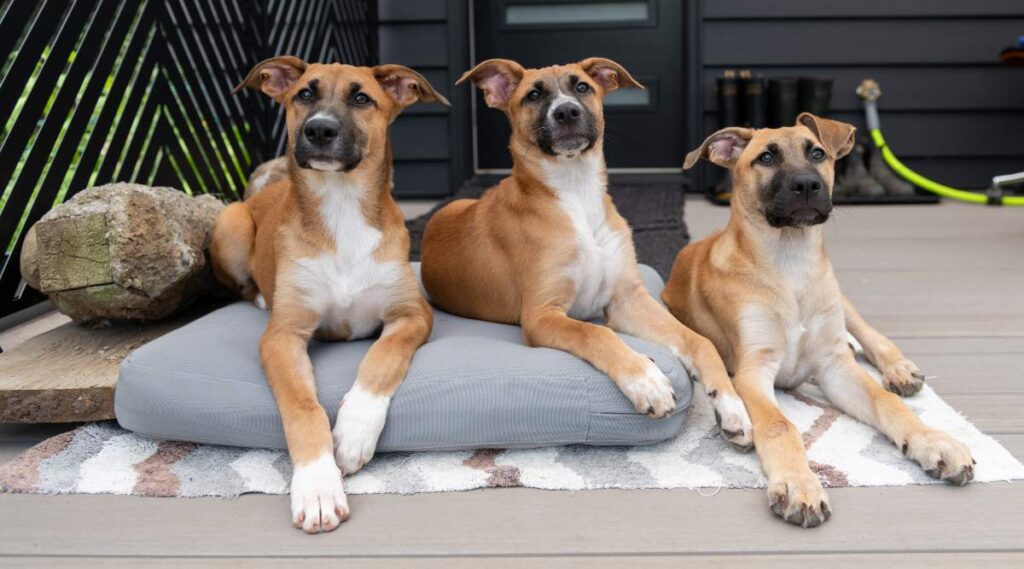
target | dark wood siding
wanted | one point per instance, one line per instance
(948, 109)
(419, 34)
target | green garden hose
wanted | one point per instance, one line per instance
(869, 92)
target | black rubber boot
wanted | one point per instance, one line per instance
(815, 94)
(752, 93)
(783, 101)
(728, 99)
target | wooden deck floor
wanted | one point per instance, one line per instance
(946, 281)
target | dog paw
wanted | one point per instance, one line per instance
(941, 456)
(651, 393)
(318, 496)
(799, 499)
(903, 378)
(731, 416)
(360, 420)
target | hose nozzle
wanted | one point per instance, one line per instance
(869, 90)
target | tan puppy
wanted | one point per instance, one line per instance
(546, 248)
(763, 291)
(326, 249)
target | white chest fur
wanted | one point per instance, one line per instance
(580, 188)
(807, 322)
(349, 288)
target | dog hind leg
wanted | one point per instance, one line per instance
(899, 375)
(850, 388)
(231, 247)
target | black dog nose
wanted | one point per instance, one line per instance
(805, 183)
(321, 131)
(566, 113)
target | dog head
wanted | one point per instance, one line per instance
(785, 174)
(338, 115)
(557, 109)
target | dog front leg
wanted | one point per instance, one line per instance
(850, 388)
(794, 492)
(636, 313)
(637, 376)
(899, 375)
(317, 495)
(364, 408)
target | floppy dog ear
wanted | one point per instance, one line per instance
(497, 78)
(837, 137)
(722, 148)
(608, 74)
(406, 86)
(274, 76)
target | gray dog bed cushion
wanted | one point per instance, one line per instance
(473, 385)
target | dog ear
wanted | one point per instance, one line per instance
(273, 76)
(722, 148)
(608, 74)
(497, 78)
(837, 137)
(406, 86)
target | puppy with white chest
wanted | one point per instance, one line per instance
(546, 248)
(764, 292)
(324, 246)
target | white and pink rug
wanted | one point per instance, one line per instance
(102, 458)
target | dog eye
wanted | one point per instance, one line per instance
(817, 154)
(305, 94)
(361, 99)
(766, 157)
(582, 87)
(533, 95)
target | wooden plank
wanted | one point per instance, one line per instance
(880, 9)
(1014, 442)
(512, 522)
(957, 560)
(68, 374)
(927, 134)
(975, 347)
(850, 42)
(992, 413)
(904, 89)
(978, 374)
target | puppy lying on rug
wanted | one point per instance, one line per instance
(326, 249)
(764, 292)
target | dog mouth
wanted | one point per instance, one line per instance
(567, 144)
(329, 164)
(803, 217)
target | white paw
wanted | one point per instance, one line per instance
(318, 496)
(260, 302)
(732, 417)
(652, 393)
(941, 456)
(360, 421)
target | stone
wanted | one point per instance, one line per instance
(123, 252)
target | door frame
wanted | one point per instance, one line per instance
(693, 104)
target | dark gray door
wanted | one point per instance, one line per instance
(644, 129)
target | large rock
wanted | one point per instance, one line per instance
(122, 252)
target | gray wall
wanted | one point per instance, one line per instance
(427, 139)
(949, 109)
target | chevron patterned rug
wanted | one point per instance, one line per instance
(102, 458)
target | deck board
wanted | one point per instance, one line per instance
(908, 267)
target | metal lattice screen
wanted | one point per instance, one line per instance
(95, 91)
